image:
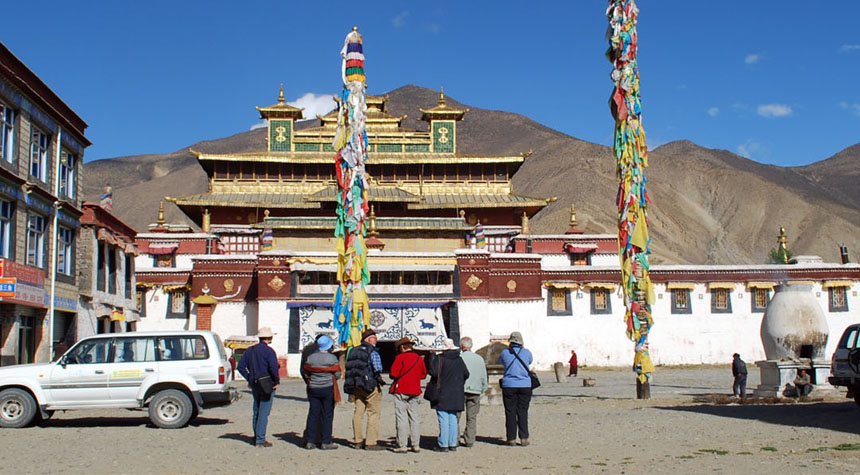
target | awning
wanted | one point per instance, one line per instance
(240, 342)
(760, 285)
(721, 285)
(131, 315)
(163, 248)
(562, 285)
(836, 283)
(680, 286)
(602, 285)
(577, 248)
(800, 282)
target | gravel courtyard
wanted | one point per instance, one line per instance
(575, 429)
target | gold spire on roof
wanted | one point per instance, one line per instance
(281, 95)
(281, 110)
(161, 213)
(372, 218)
(572, 215)
(524, 224)
(782, 241)
(442, 110)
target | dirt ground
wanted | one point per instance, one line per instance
(574, 429)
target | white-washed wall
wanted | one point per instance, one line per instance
(275, 315)
(155, 316)
(701, 337)
(234, 319)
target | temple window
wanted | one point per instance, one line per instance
(838, 299)
(721, 301)
(759, 299)
(681, 301)
(177, 304)
(501, 172)
(580, 259)
(559, 302)
(164, 260)
(600, 303)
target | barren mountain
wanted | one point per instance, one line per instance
(709, 206)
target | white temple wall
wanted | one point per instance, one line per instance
(701, 337)
(154, 318)
(234, 319)
(275, 315)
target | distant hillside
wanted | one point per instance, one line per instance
(709, 206)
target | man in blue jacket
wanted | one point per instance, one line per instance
(259, 361)
(516, 389)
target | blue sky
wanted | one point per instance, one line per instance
(773, 81)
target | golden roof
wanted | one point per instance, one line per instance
(442, 110)
(376, 158)
(246, 200)
(483, 200)
(281, 109)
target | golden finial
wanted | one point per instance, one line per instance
(572, 215)
(207, 221)
(782, 240)
(441, 96)
(372, 217)
(281, 95)
(462, 213)
(265, 213)
(524, 224)
(354, 28)
(161, 213)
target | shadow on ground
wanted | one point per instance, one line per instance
(121, 422)
(838, 416)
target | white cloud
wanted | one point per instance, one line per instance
(849, 48)
(774, 110)
(752, 58)
(399, 20)
(432, 27)
(714, 111)
(854, 107)
(749, 148)
(314, 104)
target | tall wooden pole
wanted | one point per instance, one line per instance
(631, 156)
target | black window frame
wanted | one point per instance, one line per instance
(177, 315)
(754, 308)
(550, 311)
(831, 306)
(679, 310)
(714, 308)
(599, 311)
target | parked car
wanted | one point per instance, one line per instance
(845, 364)
(175, 375)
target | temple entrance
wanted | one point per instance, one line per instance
(387, 352)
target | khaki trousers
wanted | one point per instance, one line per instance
(406, 420)
(473, 407)
(369, 403)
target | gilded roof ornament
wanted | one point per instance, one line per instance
(161, 213)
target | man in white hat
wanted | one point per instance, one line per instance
(259, 366)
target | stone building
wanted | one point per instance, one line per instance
(106, 253)
(42, 144)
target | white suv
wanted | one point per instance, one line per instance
(175, 374)
(845, 364)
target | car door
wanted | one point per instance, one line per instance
(133, 361)
(81, 377)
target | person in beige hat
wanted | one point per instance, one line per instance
(259, 366)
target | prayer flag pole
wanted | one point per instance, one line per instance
(350, 306)
(631, 156)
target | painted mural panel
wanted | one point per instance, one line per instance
(422, 325)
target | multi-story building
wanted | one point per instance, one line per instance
(106, 254)
(42, 144)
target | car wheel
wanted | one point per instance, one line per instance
(17, 408)
(170, 409)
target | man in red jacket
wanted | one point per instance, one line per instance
(407, 371)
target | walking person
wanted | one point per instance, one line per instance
(516, 390)
(259, 366)
(739, 371)
(407, 371)
(363, 382)
(574, 364)
(448, 378)
(323, 371)
(474, 389)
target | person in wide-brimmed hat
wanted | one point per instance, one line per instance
(259, 366)
(407, 371)
(363, 380)
(516, 389)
